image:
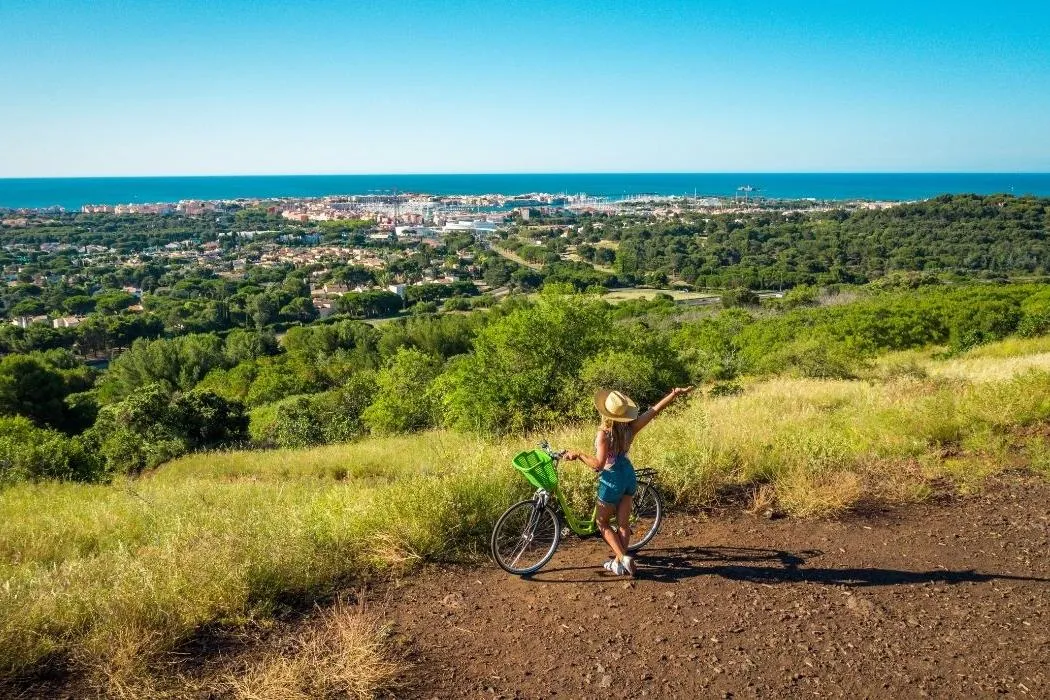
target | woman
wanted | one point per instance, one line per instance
(617, 483)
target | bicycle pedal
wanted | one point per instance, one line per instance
(565, 531)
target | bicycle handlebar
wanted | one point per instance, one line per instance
(546, 447)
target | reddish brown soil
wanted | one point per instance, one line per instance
(949, 600)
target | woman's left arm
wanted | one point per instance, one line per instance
(643, 420)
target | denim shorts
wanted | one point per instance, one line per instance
(617, 481)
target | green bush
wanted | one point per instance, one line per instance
(1035, 319)
(816, 358)
(739, 296)
(281, 377)
(303, 420)
(295, 423)
(992, 320)
(624, 370)
(154, 425)
(404, 401)
(29, 453)
(339, 411)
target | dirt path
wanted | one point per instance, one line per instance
(931, 601)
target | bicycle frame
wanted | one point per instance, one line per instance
(585, 527)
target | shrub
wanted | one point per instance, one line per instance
(456, 304)
(331, 416)
(1035, 319)
(725, 389)
(815, 358)
(154, 425)
(281, 377)
(991, 320)
(295, 423)
(710, 348)
(29, 453)
(339, 411)
(739, 296)
(404, 402)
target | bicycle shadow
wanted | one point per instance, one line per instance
(774, 566)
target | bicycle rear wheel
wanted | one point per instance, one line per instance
(525, 537)
(647, 513)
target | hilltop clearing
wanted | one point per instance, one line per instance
(109, 583)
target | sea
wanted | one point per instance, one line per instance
(73, 193)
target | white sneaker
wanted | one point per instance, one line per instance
(615, 567)
(629, 567)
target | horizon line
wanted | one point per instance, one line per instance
(528, 173)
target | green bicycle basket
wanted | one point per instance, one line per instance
(538, 467)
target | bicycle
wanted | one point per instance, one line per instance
(528, 533)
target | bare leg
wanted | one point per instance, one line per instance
(623, 520)
(611, 537)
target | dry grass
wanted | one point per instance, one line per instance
(339, 652)
(984, 368)
(340, 655)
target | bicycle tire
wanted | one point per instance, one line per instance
(524, 527)
(648, 506)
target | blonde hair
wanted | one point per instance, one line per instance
(619, 434)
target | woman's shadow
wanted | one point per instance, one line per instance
(759, 565)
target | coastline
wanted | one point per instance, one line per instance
(71, 194)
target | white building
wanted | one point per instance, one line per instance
(66, 322)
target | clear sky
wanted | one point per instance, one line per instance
(140, 87)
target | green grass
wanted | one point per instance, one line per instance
(623, 294)
(110, 578)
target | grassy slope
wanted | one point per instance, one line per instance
(110, 576)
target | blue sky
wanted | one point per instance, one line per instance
(149, 87)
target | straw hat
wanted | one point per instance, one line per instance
(615, 406)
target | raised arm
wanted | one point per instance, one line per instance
(643, 420)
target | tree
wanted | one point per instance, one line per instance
(372, 304)
(79, 304)
(299, 309)
(178, 363)
(28, 307)
(31, 453)
(524, 369)
(29, 387)
(112, 302)
(242, 345)
(263, 309)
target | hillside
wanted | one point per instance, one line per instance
(107, 581)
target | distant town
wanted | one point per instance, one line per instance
(60, 267)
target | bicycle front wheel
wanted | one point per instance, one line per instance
(525, 537)
(647, 512)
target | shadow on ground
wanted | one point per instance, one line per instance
(757, 565)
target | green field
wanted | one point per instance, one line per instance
(627, 293)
